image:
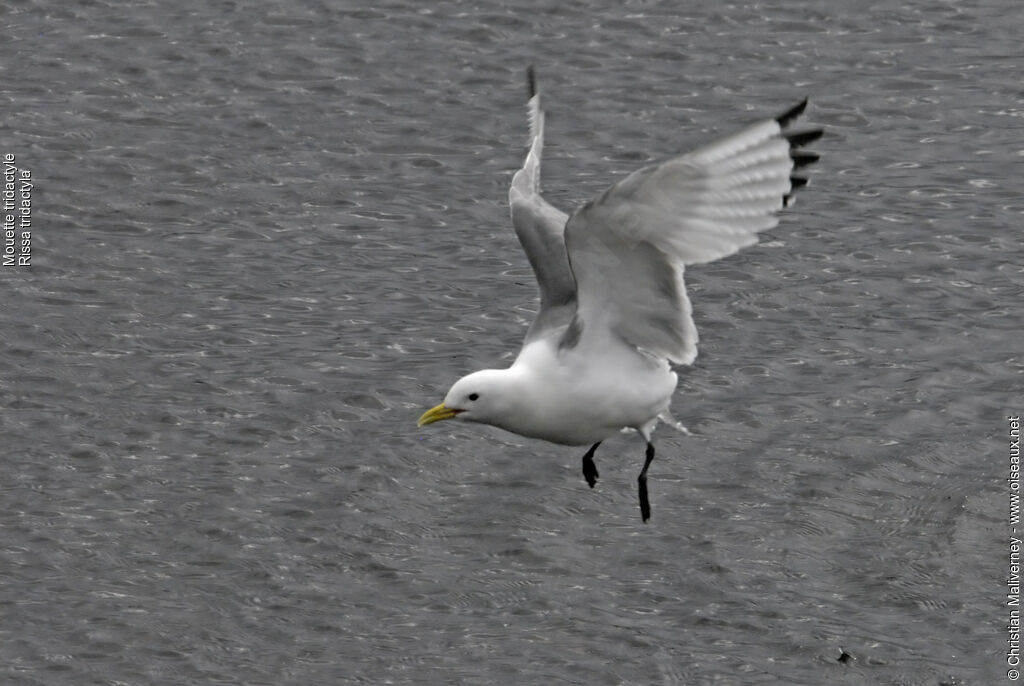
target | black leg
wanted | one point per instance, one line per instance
(645, 505)
(589, 468)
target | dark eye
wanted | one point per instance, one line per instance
(474, 396)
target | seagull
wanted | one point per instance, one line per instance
(615, 321)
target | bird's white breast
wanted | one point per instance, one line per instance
(575, 398)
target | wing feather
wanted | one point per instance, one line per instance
(628, 248)
(541, 230)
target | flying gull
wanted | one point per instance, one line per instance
(614, 319)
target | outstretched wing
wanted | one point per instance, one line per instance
(628, 247)
(541, 231)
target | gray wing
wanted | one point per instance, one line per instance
(541, 231)
(628, 247)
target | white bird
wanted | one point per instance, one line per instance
(614, 316)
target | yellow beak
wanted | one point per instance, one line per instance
(436, 414)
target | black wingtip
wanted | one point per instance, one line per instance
(795, 182)
(531, 81)
(792, 113)
(799, 138)
(802, 158)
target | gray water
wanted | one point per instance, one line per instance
(267, 235)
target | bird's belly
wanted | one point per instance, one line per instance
(585, 410)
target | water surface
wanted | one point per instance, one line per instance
(267, 236)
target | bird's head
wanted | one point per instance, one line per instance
(483, 397)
